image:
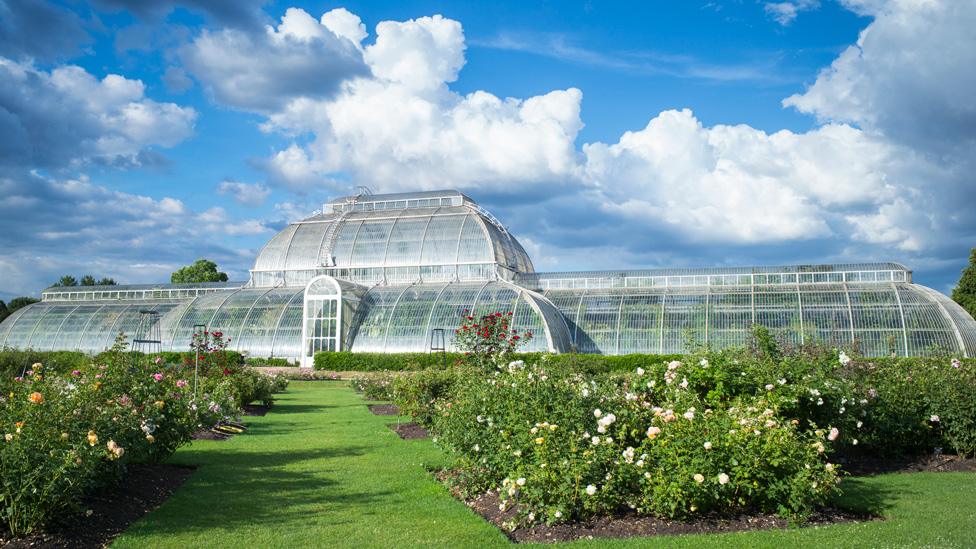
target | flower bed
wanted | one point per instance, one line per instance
(67, 433)
(740, 431)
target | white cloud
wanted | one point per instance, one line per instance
(346, 24)
(69, 116)
(248, 194)
(53, 226)
(421, 54)
(910, 76)
(869, 182)
(785, 13)
(263, 71)
(726, 183)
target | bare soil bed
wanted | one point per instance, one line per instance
(409, 431)
(631, 525)
(144, 488)
(384, 410)
(256, 410)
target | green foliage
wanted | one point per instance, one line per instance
(270, 362)
(20, 302)
(65, 281)
(487, 340)
(70, 424)
(202, 270)
(563, 446)
(417, 394)
(965, 292)
(373, 362)
(346, 361)
(739, 430)
(374, 386)
(89, 280)
(4, 312)
(65, 434)
(14, 362)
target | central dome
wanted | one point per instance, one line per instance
(437, 235)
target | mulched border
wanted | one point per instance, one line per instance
(218, 432)
(256, 410)
(384, 410)
(408, 431)
(141, 490)
(630, 525)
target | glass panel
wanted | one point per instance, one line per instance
(441, 241)
(405, 241)
(370, 247)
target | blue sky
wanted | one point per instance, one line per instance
(134, 140)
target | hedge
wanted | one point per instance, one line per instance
(372, 362)
(13, 362)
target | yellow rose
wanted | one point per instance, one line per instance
(150, 438)
(540, 440)
(92, 438)
(159, 404)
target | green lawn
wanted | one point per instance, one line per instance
(321, 471)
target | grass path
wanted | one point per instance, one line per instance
(321, 471)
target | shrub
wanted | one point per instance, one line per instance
(14, 362)
(346, 361)
(374, 386)
(418, 393)
(270, 362)
(64, 434)
(563, 446)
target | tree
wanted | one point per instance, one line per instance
(203, 270)
(89, 280)
(65, 281)
(20, 302)
(4, 313)
(965, 292)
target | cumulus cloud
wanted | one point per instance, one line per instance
(263, 71)
(909, 77)
(847, 187)
(67, 116)
(248, 194)
(37, 30)
(107, 231)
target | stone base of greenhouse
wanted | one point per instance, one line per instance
(382, 273)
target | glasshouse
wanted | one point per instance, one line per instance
(386, 273)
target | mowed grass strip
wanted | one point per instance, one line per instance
(321, 471)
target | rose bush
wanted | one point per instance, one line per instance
(563, 446)
(66, 433)
(739, 430)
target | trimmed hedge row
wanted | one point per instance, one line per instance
(13, 362)
(584, 363)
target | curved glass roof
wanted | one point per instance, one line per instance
(881, 319)
(407, 232)
(400, 318)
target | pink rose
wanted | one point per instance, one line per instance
(158, 377)
(181, 383)
(834, 433)
(76, 373)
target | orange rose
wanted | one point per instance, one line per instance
(36, 398)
